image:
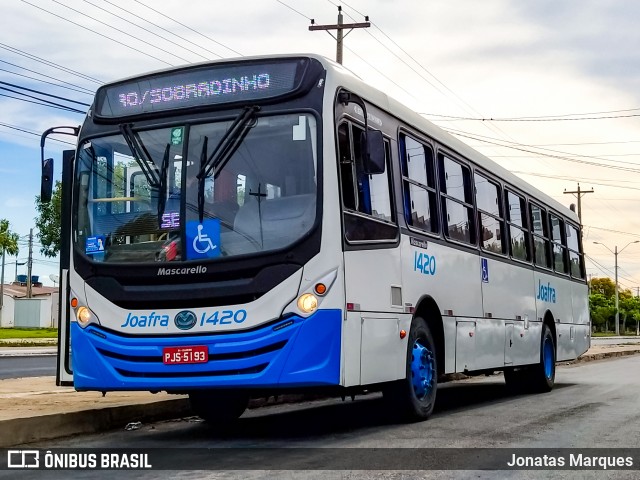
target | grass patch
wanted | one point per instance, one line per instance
(6, 333)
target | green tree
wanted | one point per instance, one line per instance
(8, 239)
(602, 310)
(49, 223)
(605, 286)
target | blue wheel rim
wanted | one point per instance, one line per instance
(422, 370)
(547, 358)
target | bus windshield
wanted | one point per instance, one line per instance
(147, 196)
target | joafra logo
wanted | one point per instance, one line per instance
(142, 321)
(546, 293)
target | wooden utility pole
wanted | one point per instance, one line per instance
(340, 27)
(579, 194)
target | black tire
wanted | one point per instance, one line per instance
(543, 375)
(414, 401)
(217, 406)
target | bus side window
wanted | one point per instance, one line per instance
(457, 202)
(576, 260)
(518, 231)
(540, 231)
(364, 194)
(418, 183)
(490, 214)
(558, 245)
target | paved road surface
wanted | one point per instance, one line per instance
(594, 404)
(27, 366)
(615, 340)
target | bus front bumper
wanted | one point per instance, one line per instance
(293, 352)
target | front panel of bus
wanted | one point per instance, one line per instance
(201, 254)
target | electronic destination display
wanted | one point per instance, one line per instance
(210, 85)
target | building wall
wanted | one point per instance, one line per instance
(6, 318)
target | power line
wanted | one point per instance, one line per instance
(189, 28)
(445, 118)
(145, 29)
(13, 127)
(59, 105)
(166, 30)
(291, 8)
(122, 31)
(41, 103)
(46, 76)
(47, 62)
(87, 92)
(45, 94)
(98, 33)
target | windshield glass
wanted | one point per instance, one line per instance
(138, 192)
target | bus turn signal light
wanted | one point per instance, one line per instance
(74, 302)
(403, 333)
(320, 288)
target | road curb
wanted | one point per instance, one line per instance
(602, 356)
(19, 431)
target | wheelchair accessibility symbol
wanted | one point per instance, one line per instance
(203, 239)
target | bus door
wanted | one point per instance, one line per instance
(64, 374)
(371, 259)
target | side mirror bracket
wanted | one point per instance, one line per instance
(46, 181)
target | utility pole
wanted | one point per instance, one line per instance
(340, 27)
(579, 194)
(30, 263)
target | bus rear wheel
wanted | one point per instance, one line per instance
(414, 397)
(538, 378)
(217, 406)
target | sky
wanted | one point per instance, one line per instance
(547, 89)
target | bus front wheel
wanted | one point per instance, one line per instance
(218, 407)
(415, 396)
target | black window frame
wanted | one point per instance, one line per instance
(524, 227)
(480, 212)
(545, 237)
(468, 202)
(431, 190)
(353, 219)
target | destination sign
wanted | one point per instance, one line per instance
(209, 85)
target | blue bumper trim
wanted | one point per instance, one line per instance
(295, 352)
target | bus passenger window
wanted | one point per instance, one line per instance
(518, 232)
(540, 230)
(457, 203)
(490, 214)
(559, 246)
(419, 185)
(576, 260)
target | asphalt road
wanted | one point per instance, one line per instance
(27, 366)
(615, 340)
(594, 405)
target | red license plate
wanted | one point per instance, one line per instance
(182, 355)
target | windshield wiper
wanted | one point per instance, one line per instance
(144, 159)
(228, 144)
(162, 187)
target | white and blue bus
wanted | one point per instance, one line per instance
(265, 225)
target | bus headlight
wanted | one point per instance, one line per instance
(84, 316)
(308, 303)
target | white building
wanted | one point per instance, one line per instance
(39, 311)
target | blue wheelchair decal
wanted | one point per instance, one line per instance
(485, 270)
(203, 239)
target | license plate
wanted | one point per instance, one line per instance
(182, 355)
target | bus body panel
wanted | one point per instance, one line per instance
(506, 290)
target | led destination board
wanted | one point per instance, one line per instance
(199, 86)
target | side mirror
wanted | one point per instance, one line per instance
(46, 182)
(373, 154)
